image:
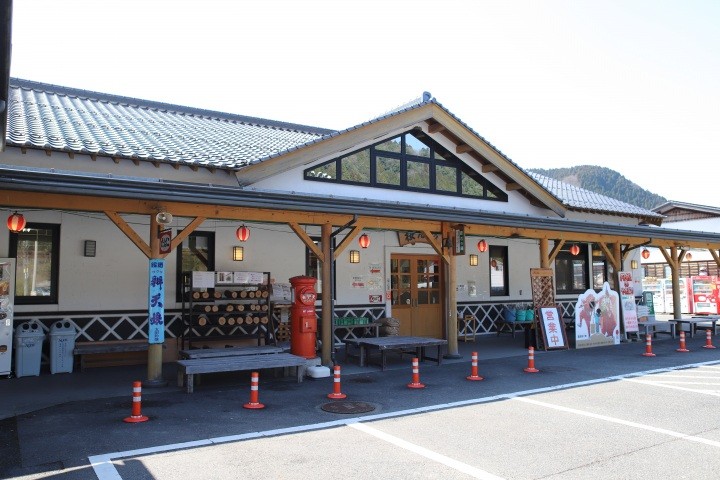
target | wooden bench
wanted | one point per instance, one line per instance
(110, 353)
(228, 351)
(190, 367)
(695, 323)
(416, 345)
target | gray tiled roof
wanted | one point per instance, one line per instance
(576, 198)
(59, 118)
(52, 117)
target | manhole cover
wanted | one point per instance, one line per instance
(348, 407)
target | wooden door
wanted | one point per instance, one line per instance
(416, 287)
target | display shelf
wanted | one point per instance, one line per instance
(216, 308)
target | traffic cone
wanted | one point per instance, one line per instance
(336, 384)
(682, 343)
(254, 387)
(136, 415)
(648, 346)
(474, 370)
(708, 339)
(531, 361)
(416, 375)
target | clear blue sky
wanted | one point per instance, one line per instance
(627, 84)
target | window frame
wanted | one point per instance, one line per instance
(499, 251)
(179, 273)
(565, 256)
(51, 299)
(309, 255)
(439, 156)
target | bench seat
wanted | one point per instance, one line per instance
(111, 353)
(187, 368)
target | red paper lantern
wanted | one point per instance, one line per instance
(364, 240)
(16, 222)
(575, 249)
(242, 233)
(645, 253)
(482, 245)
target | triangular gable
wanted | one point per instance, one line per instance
(436, 122)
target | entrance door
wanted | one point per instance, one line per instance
(416, 285)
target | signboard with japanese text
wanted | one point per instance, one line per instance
(156, 302)
(627, 302)
(553, 328)
(459, 243)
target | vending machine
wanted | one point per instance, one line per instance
(705, 294)
(657, 287)
(685, 296)
(7, 300)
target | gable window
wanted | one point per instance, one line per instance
(37, 250)
(499, 285)
(571, 271)
(412, 161)
(195, 254)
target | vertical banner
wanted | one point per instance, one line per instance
(156, 302)
(627, 302)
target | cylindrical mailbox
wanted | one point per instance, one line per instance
(303, 322)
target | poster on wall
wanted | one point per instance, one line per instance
(597, 317)
(627, 302)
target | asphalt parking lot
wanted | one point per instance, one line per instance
(601, 413)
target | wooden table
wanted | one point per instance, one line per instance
(396, 342)
(651, 326)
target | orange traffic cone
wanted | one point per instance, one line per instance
(136, 415)
(416, 375)
(708, 339)
(531, 361)
(682, 343)
(648, 346)
(474, 369)
(336, 384)
(254, 392)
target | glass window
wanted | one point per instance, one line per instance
(388, 171)
(195, 254)
(571, 271)
(356, 167)
(413, 146)
(446, 178)
(499, 285)
(327, 171)
(37, 250)
(413, 161)
(418, 175)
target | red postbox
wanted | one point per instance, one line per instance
(303, 322)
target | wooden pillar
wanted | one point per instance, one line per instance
(451, 282)
(155, 350)
(327, 293)
(544, 253)
(675, 269)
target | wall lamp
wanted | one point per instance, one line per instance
(238, 254)
(633, 264)
(473, 260)
(354, 256)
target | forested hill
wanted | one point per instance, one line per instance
(605, 182)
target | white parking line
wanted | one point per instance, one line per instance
(656, 383)
(620, 421)
(105, 469)
(447, 461)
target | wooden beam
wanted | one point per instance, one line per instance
(609, 256)
(435, 127)
(309, 242)
(434, 243)
(512, 186)
(130, 233)
(489, 168)
(463, 148)
(184, 233)
(351, 235)
(555, 250)
(715, 255)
